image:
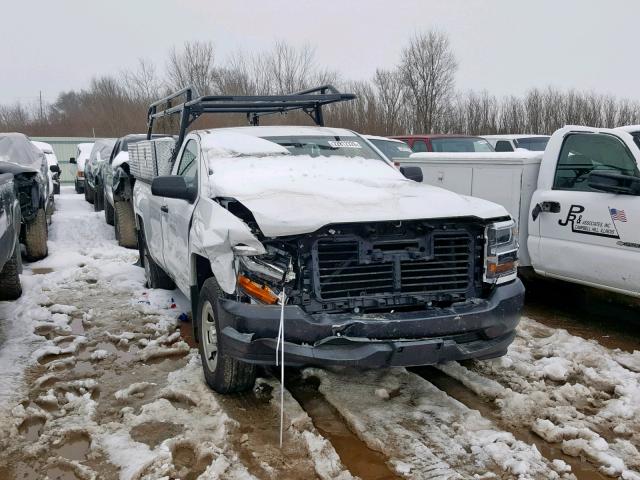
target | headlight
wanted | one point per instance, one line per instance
(262, 277)
(502, 252)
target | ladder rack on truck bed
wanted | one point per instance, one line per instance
(254, 106)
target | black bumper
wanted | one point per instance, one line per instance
(478, 329)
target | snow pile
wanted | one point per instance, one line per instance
(568, 390)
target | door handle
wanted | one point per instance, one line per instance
(552, 207)
(164, 209)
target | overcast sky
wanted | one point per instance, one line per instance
(504, 46)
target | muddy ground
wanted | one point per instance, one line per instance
(111, 388)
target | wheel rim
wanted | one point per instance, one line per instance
(209, 337)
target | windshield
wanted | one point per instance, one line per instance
(326, 146)
(458, 144)
(392, 149)
(535, 144)
(636, 138)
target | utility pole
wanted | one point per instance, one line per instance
(41, 111)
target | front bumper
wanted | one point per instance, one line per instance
(477, 329)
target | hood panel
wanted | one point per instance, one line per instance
(294, 195)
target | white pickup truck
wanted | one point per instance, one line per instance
(577, 204)
(313, 227)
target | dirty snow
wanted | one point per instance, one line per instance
(569, 391)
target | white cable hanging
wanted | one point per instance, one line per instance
(288, 276)
(280, 346)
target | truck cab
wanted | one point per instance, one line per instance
(584, 224)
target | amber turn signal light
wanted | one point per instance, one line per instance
(259, 292)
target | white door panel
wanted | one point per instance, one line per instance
(176, 220)
(585, 235)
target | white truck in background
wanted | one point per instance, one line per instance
(511, 143)
(577, 204)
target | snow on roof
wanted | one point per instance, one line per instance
(45, 147)
(375, 137)
(235, 144)
(519, 156)
(629, 128)
(514, 136)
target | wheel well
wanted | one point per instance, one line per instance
(202, 271)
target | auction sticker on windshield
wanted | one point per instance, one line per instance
(344, 144)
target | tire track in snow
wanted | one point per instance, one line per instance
(569, 391)
(457, 390)
(424, 432)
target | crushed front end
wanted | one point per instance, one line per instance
(379, 294)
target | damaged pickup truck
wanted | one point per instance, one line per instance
(311, 229)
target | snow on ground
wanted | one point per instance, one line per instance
(568, 390)
(97, 381)
(424, 432)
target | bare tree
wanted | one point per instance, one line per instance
(428, 69)
(142, 83)
(390, 93)
(194, 65)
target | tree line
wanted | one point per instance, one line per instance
(418, 95)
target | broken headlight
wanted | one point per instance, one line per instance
(262, 277)
(501, 255)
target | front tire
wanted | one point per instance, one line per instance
(222, 373)
(36, 235)
(10, 287)
(125, 225)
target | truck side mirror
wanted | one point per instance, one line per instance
(614, 182)
(412, 173)
(54, 168)
(72, 160)
(173, 186)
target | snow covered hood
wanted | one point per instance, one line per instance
(291, 195)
